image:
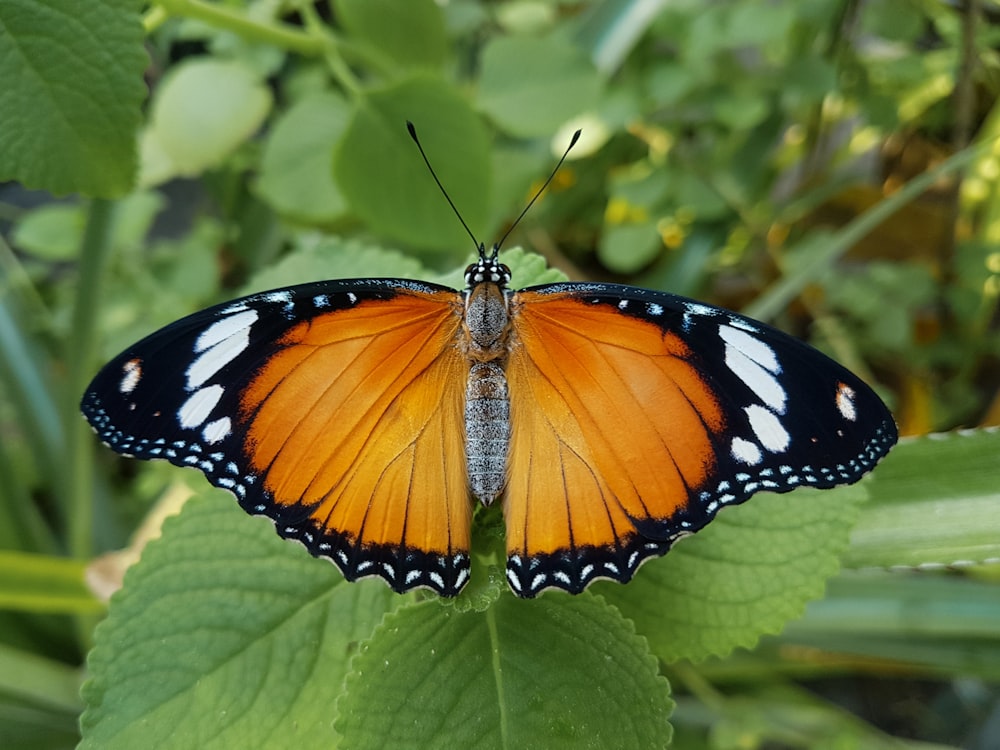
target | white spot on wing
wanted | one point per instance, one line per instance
(278, 297)
(757, 379)
(213, 359)
(767, 428)
(751, 347)
(745, 452)
(217, 430)
(697, 309)
(845, 402)
(199, 405)
(222, 329)
(742, 324)
(132, 375)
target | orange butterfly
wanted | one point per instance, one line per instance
(361, 415)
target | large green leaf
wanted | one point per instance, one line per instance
(748, 573)
(295, 170)
(71, 92)
(944, 622)
(945, 517)
(225, 636)
(201, 113)
(407, 34)
(558, 672)
(317, 257)
(383, 177)
(530, 86)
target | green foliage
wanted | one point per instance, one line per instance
(292, 180)
(72, 90)
(947, 517)
(748, 574)
(784, 160)
(531, 86)
(219, 621)
(200, 114)
(548, 673)
(376, 143)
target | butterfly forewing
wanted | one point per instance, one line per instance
(330, 407)
(637, 415)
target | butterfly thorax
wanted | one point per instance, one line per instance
(485, 328)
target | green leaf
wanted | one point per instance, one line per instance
(629, 248)
(295, 171)
(225, 635)
(530, 269)
(530, 86)
(71, 92)
(944, 622)
(557, 672)
(611, 30)
(409, 34)
(319, 257)
(44, 682)
(201, 113)
(381, 173)
(38, 583)
(39, 701)
(746, 574)
(55, 232)
(758, 24)
(948, 516)
(51, 232)
(630, 240)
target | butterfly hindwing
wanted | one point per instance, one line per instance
(329, 407)
(637, 415)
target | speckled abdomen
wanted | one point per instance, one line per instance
(487, 429)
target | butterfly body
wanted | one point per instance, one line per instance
(486, 329)
(364, 417)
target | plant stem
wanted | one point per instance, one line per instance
(81, 348)
(220, 16)
(784, 291)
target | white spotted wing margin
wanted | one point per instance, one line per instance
(793, 418)
(175, 395)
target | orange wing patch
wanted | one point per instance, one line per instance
(355, 422)
(613, 433)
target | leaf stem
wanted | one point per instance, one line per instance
(224, 17)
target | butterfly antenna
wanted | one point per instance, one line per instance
(413, 134)
(572, 142)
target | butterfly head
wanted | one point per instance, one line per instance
(487, 269)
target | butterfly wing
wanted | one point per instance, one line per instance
(637, 415)
(334, 408)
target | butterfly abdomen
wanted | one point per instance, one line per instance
(487, 430)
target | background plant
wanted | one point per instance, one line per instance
(801, 162)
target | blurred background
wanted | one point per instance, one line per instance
(830, 167)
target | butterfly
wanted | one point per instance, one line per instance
(365, 417)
